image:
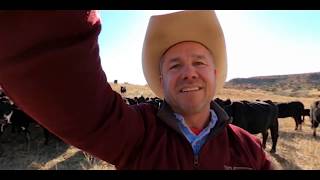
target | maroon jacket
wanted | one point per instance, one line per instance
(50, 67)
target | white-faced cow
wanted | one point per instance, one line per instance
(255, 117)
(315, 116)
(5, 110)
(20, 122)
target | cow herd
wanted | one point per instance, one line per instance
(256, 116)
(14, 119)
(261, 116)
(253, 116)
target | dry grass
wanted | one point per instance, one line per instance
(295, 150)
(17, 155)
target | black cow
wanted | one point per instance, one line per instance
(5, 105)
(315, 116)
(20, 121)
(123, 89)
(2, 94)
(131, 101)
(157, 102)
(223, 103)
(5, 110)
(140, 99)
(292, 109)
(255, 117)
(305, 112)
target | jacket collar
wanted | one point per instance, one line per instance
(166, 114)
(223, 119)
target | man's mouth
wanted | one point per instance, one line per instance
(190, 89)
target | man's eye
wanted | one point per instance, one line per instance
(174, 66)
(199, 63)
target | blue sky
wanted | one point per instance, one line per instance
(258, 43)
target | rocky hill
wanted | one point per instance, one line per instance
(297, 85)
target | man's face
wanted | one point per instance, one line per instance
(188, 78)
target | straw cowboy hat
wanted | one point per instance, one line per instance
(166, 30)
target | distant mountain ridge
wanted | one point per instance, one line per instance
(300, 85)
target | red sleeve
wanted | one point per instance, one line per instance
(50, 67)
(252, 148)
(266, 163)
(261, 157)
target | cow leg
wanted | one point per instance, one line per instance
(274, 135)
(46, 136)
(297, 124)
(1, 150)
(2, 129)
(264, 138)
(300, 121)
(13, 128)
(26, 133)
(28, 138)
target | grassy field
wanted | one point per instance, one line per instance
(296, 149)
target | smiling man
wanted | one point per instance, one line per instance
(54, 74)
(188, 81)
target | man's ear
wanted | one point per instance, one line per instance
(215, 72)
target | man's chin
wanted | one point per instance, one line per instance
(191, 109)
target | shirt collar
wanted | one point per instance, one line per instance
(212, 122)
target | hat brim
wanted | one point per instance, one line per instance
(166, 30)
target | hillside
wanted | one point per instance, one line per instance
(296, 85)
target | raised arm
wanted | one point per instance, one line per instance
(50, 67)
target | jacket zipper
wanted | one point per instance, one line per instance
(196, 161)
(195, 157)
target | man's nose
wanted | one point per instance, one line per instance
(189, 72)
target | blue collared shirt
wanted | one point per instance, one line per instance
(196, 141)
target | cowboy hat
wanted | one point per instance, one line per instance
(166, 30)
